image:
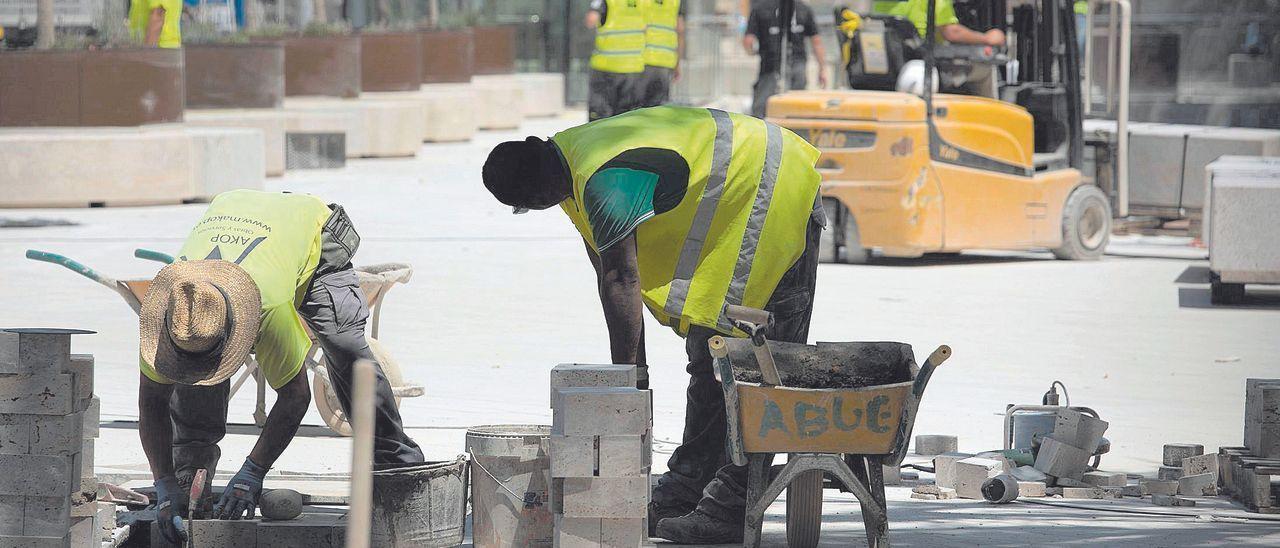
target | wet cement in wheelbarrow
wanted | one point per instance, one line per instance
(866, 368)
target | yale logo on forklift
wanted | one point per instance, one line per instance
(832, 138)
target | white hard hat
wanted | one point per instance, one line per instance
(911, 78)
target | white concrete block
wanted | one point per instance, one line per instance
(542, 92)
(1031, 489)
(1158, 487)
(15, 434)
(1198, 485)
(605, 497)
(971, 473)
(271, 122)
(375, 128)
(601, 411)
(225, 158)
(39, 475)
(82, 366)
(34, 353)
(1174, 453)
(1204, 148)
(932, 444)
(935, 491)
(38, 395)
(1169, 473)
(574, 456)
(584, 375)
(46, 516)
(1200, 464)
(623, 532)
(892, 475)
(577, 532)
(625, 456)
(496, 98)
(451, 112)
(1061, 460)
(11, 509)
(1079, 430)
(84, 532)
(1087, 493)
(86, 460)
(1169, 500)
(35, 542)
(92, 418)
(57, 434)
(944, 467)
(1243, 229)
(1099, 478)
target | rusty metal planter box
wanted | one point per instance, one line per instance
(448, 56)
(390, 61)
(235, 75)
(495, 49)
(115, 87)
(322, 65)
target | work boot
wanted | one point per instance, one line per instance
(659, 512)
(699, 528)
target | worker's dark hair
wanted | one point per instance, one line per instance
(519, 173)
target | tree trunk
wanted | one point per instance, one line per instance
(44, 24)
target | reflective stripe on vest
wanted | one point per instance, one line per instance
(740, 224)
(661, 41)
(619, 44)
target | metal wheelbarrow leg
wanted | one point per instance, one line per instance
(761, 493)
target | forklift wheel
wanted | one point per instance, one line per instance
(1221, 292)
(804, 510)
(1086, 225)
(840, 242)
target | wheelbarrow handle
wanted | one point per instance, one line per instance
(935, 359)
(149, 255)
(71, 264)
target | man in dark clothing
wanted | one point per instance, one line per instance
(764, 35)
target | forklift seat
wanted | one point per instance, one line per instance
(878, 50)
(1047, 104)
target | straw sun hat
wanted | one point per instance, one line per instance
(199, 321)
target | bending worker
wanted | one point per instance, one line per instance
(616, 82)
(683, 210)
(663, 49)
(256, 265)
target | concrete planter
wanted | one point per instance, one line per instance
(390, 61)
(235, 75)
(322, 65)
(495, 49)
(448, 56)
(115, 87)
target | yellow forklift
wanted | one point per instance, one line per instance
(913, 173)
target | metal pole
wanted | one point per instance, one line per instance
(1122, 113)
(360, 516)
(929, 28)
(1087, 78)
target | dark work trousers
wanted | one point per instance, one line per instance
(335, 310)
(769, 83)
(700, 474)
(611, 93)
(657, 86)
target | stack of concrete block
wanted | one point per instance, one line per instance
(601, 454)
(1262, 417)
(44, 394)
(1066, 452)
(1174, 454)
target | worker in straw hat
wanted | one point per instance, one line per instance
(255, 267)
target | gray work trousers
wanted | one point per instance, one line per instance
(769, 83)
(336, 313)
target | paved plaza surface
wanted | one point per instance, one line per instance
(497, 300)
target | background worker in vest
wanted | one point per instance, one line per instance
(683, 211)
(616, 83)
(663, 49)
(156, 23)
(977, 79)
(255, 266)
(764, 36)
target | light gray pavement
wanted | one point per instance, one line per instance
(497, 300)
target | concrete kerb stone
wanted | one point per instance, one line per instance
(310, 530)
(496, 112)
(582, 375)
(936, 491)
(1087, 493)
(1159, 487)
(1198, 485)
(542, 92)
(1175, 452)
(447, 113)
(935, 444)
(944, 467)
(970, 473)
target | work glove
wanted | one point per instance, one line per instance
(642, 377)
(240, 498)
(171, 506)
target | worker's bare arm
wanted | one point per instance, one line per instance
(960, 34)
(820, 54)
(749, 43)
(619, 279)
(155, 24)
(154, 427)
(292, 401)
(592, 20)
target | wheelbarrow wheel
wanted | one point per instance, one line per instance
(326, 400)
(804, 510)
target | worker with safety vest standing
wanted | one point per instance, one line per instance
(683, 211)
(617, 63)
(663, 49)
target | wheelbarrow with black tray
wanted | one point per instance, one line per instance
(839, 409)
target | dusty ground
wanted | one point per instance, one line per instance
(497, 300)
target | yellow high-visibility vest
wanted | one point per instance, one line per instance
(620, 40)
(740, 225)
(661, 42)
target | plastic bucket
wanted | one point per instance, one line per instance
(420, 506)
(510, 505)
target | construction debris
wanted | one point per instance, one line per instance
(601, 451)
(1169, 473)
(1088, 493)
(1174, 453)
(1031, 489)
(1099, 478)
(932, 445)
(934, 491)
(1170, 500)
(1159, 487)
(1061, 460)
(1198, 485)
(1200, 464)
(972, 472)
